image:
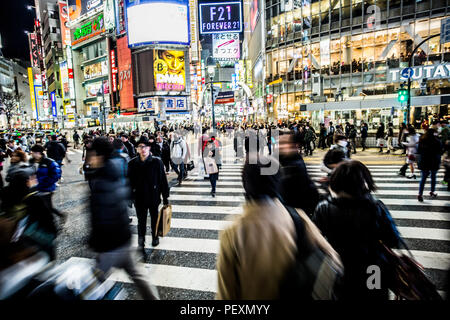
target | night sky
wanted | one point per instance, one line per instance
(14, 20)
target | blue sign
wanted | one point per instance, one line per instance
(224, 17)
(53, 98)
(445, 30)
(407, 73)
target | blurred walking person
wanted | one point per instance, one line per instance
(257, 252)
(352, 137)
(322, 137)
(380, 137)
(211, 154)
(411, 154)
(354, 222)
(110, 234)
(390, 138)
(178, 152)
(330, 134)
(429, 151)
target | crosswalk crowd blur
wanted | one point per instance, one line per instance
(319, 232)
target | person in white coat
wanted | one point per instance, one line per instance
(178, 152)
(411, 143)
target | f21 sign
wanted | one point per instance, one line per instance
(225, 17)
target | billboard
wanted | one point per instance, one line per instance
(64, 71)
(125, 76)
(34, 50)
(88, 30)
(220, 17)
(95, 70)
(110, 14)
(78, 8)
(64, 19)
(120, 17)
(254, 13)
(171, 104)
(169, 70)
(226, 46)
(156, 22)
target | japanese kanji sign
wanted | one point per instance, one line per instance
(226, 46)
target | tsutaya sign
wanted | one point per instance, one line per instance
(431, 72)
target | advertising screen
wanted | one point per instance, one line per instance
(95, 70)
(169, 70)
(226, 46)
(150, 22)
(220, 17)
(64, 18)
(78, 8)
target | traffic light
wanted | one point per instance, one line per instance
(402, 95)
(118, 111)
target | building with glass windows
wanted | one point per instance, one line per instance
(341, 60)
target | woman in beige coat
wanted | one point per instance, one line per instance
(260, 247)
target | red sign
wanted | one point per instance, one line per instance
(70, 73)
(113, 70)
(269, 98)
(64, 18)
(125, 75)
(34, 50)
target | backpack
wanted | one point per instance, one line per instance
(315, 275)
(177, 151)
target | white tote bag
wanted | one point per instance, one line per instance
(201, 169)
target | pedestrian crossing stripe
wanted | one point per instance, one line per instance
(230, 181)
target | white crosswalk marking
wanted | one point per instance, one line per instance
(196, 222)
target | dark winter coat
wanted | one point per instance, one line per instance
(364, 132)
(298, 190)
(430, 152)
(353, 229)
(148, 181)
(380, 133)
(55, 150)
(110, 193)
(48, 173)
(130, 149)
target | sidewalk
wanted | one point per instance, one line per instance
(368, 157)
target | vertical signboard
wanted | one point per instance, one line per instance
(114, 70)
(64, 18)
(120, 17)
(32, 97)
(78, 8)
(34, 50)
(53, 99)
(110, 15)
(125, 75)
(249, 73)
(193, 26)
(64, 80)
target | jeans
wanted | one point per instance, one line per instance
(179, 169)
(142, 214)
(213, 179)
(122, 257)
(423, 179)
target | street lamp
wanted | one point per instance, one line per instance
(211, 72)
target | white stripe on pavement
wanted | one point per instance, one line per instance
(428, 259)
(206, 209)
(180, 244)
(424, 233)
(421, 215)
(439, 187)
(379, 175)
(206, 182)
(198, 224)
(415, 202)
(405, 192)
(181, 197)
(168, 276)
(196, 190)
(390, 170)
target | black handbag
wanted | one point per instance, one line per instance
(190, 166)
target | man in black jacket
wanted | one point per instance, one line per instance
(110, 233)
(55, 150)
(129, 146)
(165, 150)
(298, 190)
(148, 182)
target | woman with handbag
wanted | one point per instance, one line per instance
(429, 151)
(411, 144)
(211, 167)
(354, 222)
